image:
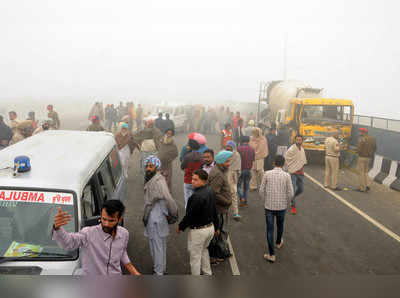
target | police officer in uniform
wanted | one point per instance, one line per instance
(332, 153)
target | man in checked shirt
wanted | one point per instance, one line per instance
(277, 191)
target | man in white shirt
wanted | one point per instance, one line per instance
(208, 159)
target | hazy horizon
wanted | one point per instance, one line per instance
(199, 51)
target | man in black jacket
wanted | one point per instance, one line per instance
(201, 218)
(272, 148)
(5, 134)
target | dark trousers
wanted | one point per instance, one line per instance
(298, 187)
(270, 216)
(244, 179)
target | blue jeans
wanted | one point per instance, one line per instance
(280, 218)
(298, 187)
(188, 190)
(244, 179)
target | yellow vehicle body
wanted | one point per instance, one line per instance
(317, 118)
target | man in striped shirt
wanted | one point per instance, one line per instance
(277, 190)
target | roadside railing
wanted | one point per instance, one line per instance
(377, 122)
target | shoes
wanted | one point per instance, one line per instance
(337, 189)
(293, 211)
(361, 190)
(367, 188)
(279, 245)
(243, 204)
(269, 258)
(236, 217)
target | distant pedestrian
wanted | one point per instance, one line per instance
(249, 128)
(13, 120)
(192, 162)
(259, 143)
(295, 161)
(168, 153)
(272, 149)
(283, 140)
(160, 210)
(247, 157)
(168, 123)
(276, 190)
(208, 160)
(126, 146)
(366, 149)
(237, 126)
(226, 135)
(139, 117)
(160, 123)
(5, 134)
(201, 217)
(95, 126)
(332, 153)
(108, 117)
(54, 116)
(31, 117)
(233, 177)
(95, 242)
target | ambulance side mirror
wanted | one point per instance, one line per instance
(91, 221)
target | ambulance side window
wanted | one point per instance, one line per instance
(115, 165)
(88, 202)
(105, 180)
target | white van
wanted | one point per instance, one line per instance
(74, 170)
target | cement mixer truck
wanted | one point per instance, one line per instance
(305, 111)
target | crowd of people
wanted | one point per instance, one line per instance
(216, 181)
(19, 129)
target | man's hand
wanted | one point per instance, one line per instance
(177, 230)
(132, 270)
(217, 233)
(61, 219)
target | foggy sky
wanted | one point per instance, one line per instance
(200, 50)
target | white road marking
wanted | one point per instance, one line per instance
(232, 259)
(355, 209)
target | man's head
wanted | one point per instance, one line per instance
(167, 115)
(279, 161)
(111, 214)
(298, 140)
(230, 146)
(12, 115)
(238, 114)
(151, 165)
(159, 115)
(124, 129)
(252, 123)
(228, 126)
(208, 157)
(170, 132)
(199, 178)
(49, 107)
(150, 123)
(244, 139)
(223, 158)
(363, 131)
(335, 134)
(31, 115)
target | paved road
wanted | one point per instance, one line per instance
(326, 237)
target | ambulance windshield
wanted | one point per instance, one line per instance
(26, 222)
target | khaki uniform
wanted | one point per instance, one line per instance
(366, 149)
(17, 137)
(54, 116)
(332, 153)
(13, 125)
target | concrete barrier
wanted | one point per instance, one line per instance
(396, 183)
(386, 172)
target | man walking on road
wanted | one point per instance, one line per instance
(247, 157)
(54, 116)
(201, 217)
(366, 150)
(295, 161)
(95, 242)
(233, 177)
(159, 210)
(332, 153)
(276, 190)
